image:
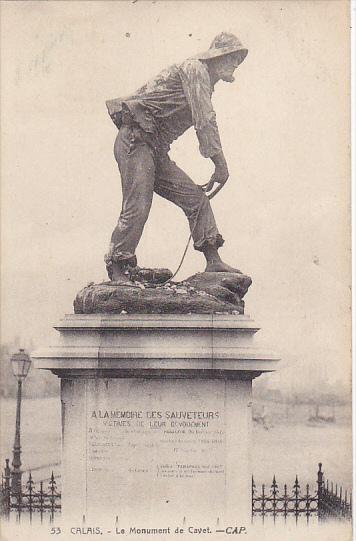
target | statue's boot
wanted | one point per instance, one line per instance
(119, 269)
(119, 274)
(220, 266)
(214, 263)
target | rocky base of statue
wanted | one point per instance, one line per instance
(151, 292)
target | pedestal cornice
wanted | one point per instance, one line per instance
(156, 345)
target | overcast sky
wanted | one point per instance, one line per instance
(284, 126)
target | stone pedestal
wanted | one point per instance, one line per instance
(156, 415)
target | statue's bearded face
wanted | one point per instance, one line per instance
(226, 65)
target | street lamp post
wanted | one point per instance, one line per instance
(21, 363)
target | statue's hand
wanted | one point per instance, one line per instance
(220, 175)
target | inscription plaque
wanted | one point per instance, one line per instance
(158, 442)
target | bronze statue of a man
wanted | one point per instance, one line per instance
(149, 121)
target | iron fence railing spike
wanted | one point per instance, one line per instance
(296, 487)
(274, 490)
(253, 489)
(52, 485)
(30, 483)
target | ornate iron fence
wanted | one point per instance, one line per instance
(45, 500)
(334, 502)
(326, 500)
(322, 502)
